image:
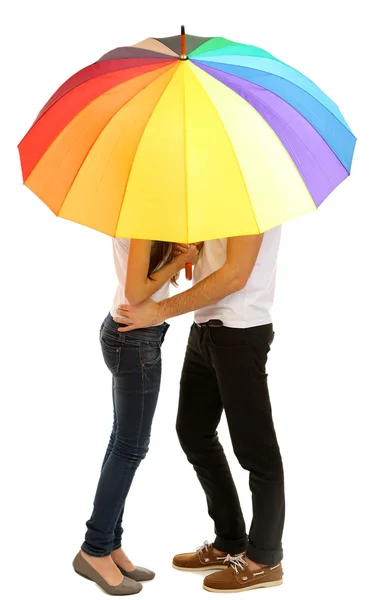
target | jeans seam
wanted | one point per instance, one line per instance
(143, 406)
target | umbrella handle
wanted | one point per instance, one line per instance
(189, 271)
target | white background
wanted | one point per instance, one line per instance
(58, 281)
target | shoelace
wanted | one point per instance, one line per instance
(236, 562)
(206, 546)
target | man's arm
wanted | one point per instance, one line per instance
(232, 277)
(242, 253)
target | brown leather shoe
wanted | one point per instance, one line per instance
(238, 578)
(203, 559)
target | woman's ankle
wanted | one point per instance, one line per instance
(90, 557)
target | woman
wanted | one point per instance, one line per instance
(144, 270)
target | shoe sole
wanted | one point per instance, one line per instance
(195, 569)
(244, 589)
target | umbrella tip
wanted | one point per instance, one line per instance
(183, 55)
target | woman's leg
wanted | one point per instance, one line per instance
(118, 555)
(135, 397)
(118, 529)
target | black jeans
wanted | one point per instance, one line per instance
(134, 359)
(225, 368)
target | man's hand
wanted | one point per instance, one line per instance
(143, 315)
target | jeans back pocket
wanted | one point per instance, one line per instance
(111, 350)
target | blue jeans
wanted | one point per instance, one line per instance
(134, 359)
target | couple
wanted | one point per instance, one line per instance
(224, 369)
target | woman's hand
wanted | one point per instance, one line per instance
(178, 249)
(191, 255)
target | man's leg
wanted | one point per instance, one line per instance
(239, 357)
(199, 412)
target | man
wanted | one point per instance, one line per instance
(225, 369)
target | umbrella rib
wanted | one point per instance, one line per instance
(284, 79)
(266, 108)
(138, 145)
(185, 156)
(45, 110)
(288, 103)
(94, 142)
(104, 93)
(233, 152)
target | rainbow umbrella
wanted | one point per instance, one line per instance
(185, 139)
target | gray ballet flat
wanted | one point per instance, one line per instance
(125, 588)
(139, 574)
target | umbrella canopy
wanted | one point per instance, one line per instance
(186, 139)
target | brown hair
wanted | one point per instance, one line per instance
(161, 253)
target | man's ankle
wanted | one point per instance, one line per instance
(254, 566)
(218, 552)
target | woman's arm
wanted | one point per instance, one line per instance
(138, 287)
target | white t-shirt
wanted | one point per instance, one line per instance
(120, 254)
(251, 306)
